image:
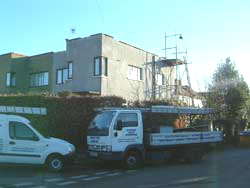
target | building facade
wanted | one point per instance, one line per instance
(25, 74)
(97, 64)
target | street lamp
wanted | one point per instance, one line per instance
(175, 35)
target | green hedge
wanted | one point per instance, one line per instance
(68, 117)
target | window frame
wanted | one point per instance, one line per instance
(102, 66)
(97, 73)
(61, 77)
(65, 77)
(70, 69)
(39, 77)
(46, 83)
(12, 79)
(104, 63)
(135, 70)
(14, 136)
(127, 113)
(161, 80)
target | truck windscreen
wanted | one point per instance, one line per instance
(99, 126)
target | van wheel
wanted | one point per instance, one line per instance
(133, 160)
(55, 163)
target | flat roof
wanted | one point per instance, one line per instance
(46, 53)
(100, 34)
(13, 53)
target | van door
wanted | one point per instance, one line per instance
(126, 131)
(23, 145)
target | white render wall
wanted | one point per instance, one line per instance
(120, 56)
(82, 51)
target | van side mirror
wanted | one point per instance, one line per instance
(119, 125)
(35, 138)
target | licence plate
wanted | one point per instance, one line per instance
(93, 154)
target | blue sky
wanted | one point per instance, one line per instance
(212, 30)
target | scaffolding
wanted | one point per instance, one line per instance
(176, 90)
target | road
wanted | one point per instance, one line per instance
(229, 168)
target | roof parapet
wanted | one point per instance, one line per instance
(13, 55)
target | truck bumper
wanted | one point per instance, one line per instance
(105, 155)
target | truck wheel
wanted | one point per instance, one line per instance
(55, 163)
(132, 160)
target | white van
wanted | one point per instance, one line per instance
(20, 143)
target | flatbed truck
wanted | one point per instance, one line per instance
(122, 134)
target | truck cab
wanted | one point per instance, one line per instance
(113, 132)
(20, 143)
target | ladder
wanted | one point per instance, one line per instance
(23, 110)
(166, 109)
(189, 82)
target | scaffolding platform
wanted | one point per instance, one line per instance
(172, 62)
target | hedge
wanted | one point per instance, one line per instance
(67, 118)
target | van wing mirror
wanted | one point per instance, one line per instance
(119, 125)
(35, 138)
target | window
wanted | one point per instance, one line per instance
(20, 131)
(100, 66)
(99, 126)
(70, 70)
(105, 66)
(39, 79)
(46, 78)
(159, 79)
(97, 67)
(128, 119)
(59, 76)
(62, 75)
(134, 73)
(10, 79)
(65, 75)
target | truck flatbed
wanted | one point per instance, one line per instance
(166, 139)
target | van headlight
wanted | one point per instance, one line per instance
(71, 148)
